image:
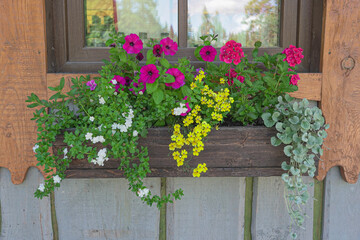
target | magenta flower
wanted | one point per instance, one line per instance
(119, 80)
(113, 45)
(293, 55)
(91, 84)
(133, 44)
(169, 46)
(208, 53)
(179, 78)
(136, 85)
(157, 50)
(230, 52)
(148, 74)
(139, 56)
(188, 107)
(294, 79)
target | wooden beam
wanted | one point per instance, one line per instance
(23, 71)
(309, 84)
(341, 88)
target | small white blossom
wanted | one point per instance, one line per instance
(91, 100)
(88, 136)
(101, 100)
(91, 118)
(135, 133)
(41, 187)
(57, 179)
(101, 157)
(65, 153)
(35, 147)
(115, 93)
(114, 81)
(141, 93)
(143, 192)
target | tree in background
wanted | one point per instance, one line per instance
(263, 20)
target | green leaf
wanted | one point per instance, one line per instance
(197, 53)
(168, 78)
(275, 141)
(151, 87)
(294, 120)
(267, 119)
(186, 91)
(279, 127)
(255, 52)
(305, 124)
(287, 150)
(150, 58)
(275, 116)
(33, 105)
(257, 44)
(165, 63)
(122, 56)
(158, 96)
(62, 83)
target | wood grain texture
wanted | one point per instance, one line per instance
(309, 84)
(341, 88)
(100, 209)
(23, 71)
(231, 151)
(341, 208)
(23, 215)
(271, 220)
(211, 209)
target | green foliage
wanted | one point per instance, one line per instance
(302, 130)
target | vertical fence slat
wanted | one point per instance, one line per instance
(341, 208)
(23, 215)
(105, 209)
(212, 208)
(270, 219)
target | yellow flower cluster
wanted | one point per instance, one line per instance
(219, 102)
(200, 168)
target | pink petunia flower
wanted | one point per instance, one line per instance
(293, 55)
(294, 79)
(208, 53)
(179, 78)
(148, 74)
(133, 44)
(157, 50)
(169, 46)
(91, 84)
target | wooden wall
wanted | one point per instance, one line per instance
(212, 208)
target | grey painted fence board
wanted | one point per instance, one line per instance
(23, 215)
(105, 209)
(212, 208)
(270, 219)
(341, 208)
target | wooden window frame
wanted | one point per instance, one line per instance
(67, 51)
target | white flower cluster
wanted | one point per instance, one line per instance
(180, 110)
(35, 147)
(101, 99)
(143, 192)
(65, 153)
(127, 125)
(41, 187)
(89, 136)
(57, 179)
(91, 118)
(101, 157)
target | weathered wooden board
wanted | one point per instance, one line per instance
(309, 84)
(270, 219)
(212, 209)
(231, 151)
(22, 215)
(23, 71)
(100, 209)
(341, 208)
(341, 88)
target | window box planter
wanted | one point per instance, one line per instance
(230, 151)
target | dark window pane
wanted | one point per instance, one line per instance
(150, 19)
(245, 21)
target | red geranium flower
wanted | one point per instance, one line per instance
(293, 55)
(230, 52)
(294, 79)
(148, 74)
(179, 78)
(169, 46)
(133, 44)
(208, 53)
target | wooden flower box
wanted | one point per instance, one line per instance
(230, 151)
